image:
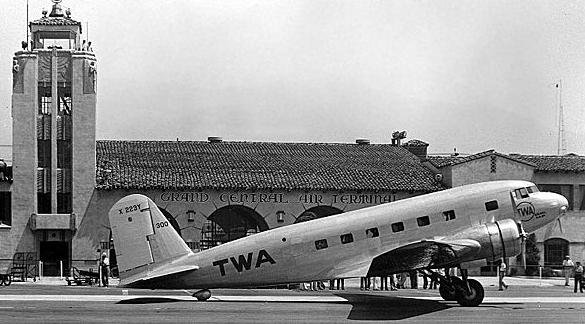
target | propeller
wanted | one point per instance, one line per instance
(521, 231)
(523, 236)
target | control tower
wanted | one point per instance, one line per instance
(53, 110)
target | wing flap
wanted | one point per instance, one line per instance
(423, 254)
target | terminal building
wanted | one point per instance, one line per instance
(59, 183)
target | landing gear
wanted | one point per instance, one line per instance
(202, 295)
(448, 290)
(467, 292)
(474, 296)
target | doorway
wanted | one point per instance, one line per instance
(52, 254)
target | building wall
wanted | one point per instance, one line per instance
(94, 227)
(480, 170)
(83, 141)
(573, 223)
(19, 237)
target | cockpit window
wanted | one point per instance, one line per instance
(521, 193)
(532, 189)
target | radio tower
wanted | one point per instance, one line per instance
(561, 145)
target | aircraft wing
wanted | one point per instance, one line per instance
(157, 273)
(424, 254)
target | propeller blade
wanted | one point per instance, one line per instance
(560, 225)
(524, 255)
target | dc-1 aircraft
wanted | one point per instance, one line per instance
(445, 229)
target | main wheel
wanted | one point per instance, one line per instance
(450, 292)
(8, 280)
(475, 296)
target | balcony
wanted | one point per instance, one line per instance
(52, 222)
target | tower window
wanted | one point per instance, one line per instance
(64, 203)
(44, 203)
(44, 153)
(45, 100)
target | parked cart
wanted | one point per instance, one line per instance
(5, 279)
(81, 277)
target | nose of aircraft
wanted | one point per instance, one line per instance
(564, 204)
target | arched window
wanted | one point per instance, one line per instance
(555, 250)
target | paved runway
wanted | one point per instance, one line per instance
(529, 303)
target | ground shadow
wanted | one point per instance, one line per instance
(375, 308)
(150, 300)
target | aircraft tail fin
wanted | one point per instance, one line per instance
(142, 236)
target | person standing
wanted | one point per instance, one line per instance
(104, 265)
(578, 277)
(502, 274)
(567, 269)
(341, 284)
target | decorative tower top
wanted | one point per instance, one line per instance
(57, 10)
(57, 30)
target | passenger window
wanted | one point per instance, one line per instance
(423, 221)
(449, 215)
(529, 189)
(346, 238)
(534, 189)
(398, 227)
(491, 205)
(321, 244)
(372, 232)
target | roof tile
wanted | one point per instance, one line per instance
(258, 165)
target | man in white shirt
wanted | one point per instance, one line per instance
(568, 266)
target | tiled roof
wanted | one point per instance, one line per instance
(442, 161)
(256, 165)
(56, 21)
(555, 163)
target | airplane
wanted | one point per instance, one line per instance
(453, 228)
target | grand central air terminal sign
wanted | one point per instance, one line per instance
(279, 198)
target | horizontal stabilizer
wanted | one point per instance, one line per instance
(157, 273)
(423, 254)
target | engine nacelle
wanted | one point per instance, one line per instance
(498, 240)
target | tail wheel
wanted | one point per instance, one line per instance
(202, 295)
(475, 295)
(450, 291)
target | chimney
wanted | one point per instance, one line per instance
(397, 136)
(418, 148)
(214, 139)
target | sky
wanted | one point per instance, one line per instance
(464, 75)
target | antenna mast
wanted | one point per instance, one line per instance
(561, 144)
(27, 24)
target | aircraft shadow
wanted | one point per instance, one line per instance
(150, 300)
(368, 307)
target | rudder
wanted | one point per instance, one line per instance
(142, 235)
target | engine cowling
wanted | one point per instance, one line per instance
(497, 239)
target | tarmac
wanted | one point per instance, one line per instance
(349, 283)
